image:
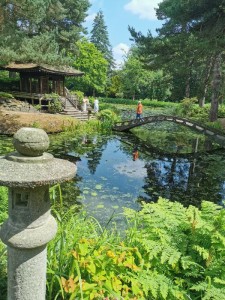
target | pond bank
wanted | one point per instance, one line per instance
(11, 121)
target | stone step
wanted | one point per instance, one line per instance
(79, 115)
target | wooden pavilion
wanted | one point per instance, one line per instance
(39, 79)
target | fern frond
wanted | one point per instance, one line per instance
(202, 251)
(171, 255)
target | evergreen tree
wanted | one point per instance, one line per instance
(50, 28)
(190, 46)
(100, 38)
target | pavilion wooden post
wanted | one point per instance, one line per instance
(30, 85)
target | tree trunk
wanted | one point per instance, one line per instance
(187, 84)
(206, 82)
(216, 89)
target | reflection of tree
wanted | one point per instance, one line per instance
(177, 180)
(180, 177)
(187, 178)
(95, 153)
(70, 148)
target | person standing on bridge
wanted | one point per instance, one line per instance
(139, 110)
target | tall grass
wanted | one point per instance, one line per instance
(3, 254)
(167, 252)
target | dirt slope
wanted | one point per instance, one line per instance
(11, 121)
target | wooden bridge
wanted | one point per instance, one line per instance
(217, 135)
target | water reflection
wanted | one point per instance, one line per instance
(108, 178)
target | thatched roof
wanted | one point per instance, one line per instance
(42, 68)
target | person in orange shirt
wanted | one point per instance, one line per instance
(135, 153)
(139, 110)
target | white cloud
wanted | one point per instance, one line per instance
(145, 9)
(119, 51)
(129, 168)
(90, 17)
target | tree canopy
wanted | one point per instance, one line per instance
(100, 38)
(189, 46)
(91, 61)
(139, 82)
(40, 30)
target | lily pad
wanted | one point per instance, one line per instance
(98, 186)
(100, 206)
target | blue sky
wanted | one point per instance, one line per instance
(118, 14)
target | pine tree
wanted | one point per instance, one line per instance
(100, 38)
(53, 24)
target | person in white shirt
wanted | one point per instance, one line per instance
(84, 105)
(96, 105)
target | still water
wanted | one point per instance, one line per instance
(108, 179)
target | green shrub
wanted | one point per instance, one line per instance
(3, 257)
(6, 95)
(168, 252)
(79, 94)
(145, 102)
(108, 118)
(3, 204)
(55, 105)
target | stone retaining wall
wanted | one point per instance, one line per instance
(16, 105)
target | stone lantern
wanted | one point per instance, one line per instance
(28, 173)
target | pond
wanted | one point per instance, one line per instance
(172, 163)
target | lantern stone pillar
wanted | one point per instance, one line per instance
(28, 173)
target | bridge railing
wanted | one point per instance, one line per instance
(213, 132)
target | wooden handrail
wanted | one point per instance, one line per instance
(129, 124)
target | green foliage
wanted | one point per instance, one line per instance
(189, 40)
(99, 37)
(108, 118)
(108, 115)
(183, 243)
(36, 124)
(42, 49)
(138, 82)
(6, 95)
(40, 30)
(91, 61)
(3, 250)
(55, 105)
(79, 94)
(3, 271)
(8, 83)
(187, 104)
(168, 252)
(189, 109)
(114, 88)
(3, 204)
(145, 102)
